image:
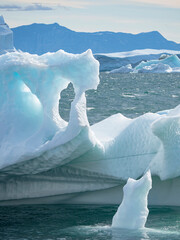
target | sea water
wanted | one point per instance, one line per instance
(82, 222)
(131, 95)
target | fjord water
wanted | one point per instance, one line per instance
(129, 94)
(132, 95)
(92, 222)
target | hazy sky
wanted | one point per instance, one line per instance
(131, 16)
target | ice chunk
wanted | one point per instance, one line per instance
(163, 56)
(133, 211)
(165, 64)
(156, 68)
(168, 64)
(124, 69)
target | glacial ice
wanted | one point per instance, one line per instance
(166, 64)
(172, 61)
(124, 69)
(112, 61)
(44, 157)
(156, 68)
(29, 88)
(6, 37)
(133, 212)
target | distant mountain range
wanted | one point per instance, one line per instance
(42, 38)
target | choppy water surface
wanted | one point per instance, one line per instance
(130, 94)
(64, 222)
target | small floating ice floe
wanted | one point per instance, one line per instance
(124, 69)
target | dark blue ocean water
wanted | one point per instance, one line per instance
(131, 95)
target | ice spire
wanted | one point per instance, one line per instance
(2, 20)
(133, 211)
(6, 37)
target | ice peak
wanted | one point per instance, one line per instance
(1, 20)
(6, 37)
(133, 211)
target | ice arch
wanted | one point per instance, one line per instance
(66, 98)
(30, 86)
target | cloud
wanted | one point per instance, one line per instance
(10, 7)
(38, 7)
(76, 4)
(32, 7)
(160, 3)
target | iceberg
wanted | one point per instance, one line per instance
(165, 64)
(29, 118)
(111, 61)
(124, 69)
(163, 56)
(133, 211)
(156, 68)
(44, 159)
(6, 37)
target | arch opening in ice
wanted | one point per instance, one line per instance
(44, 150)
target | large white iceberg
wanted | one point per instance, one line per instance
(29, 89)
(45, 159)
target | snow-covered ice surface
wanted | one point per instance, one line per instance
(6, 37)
(45, 158)
(133, 211)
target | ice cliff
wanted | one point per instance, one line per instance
(45, 159)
